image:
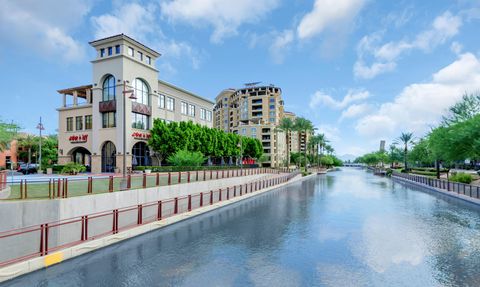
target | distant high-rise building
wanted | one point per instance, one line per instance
(382, 145)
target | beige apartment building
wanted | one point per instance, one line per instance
(254, 111)
(110, 118)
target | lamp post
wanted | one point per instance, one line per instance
(240, 145)
(132, 97)
(40, 129)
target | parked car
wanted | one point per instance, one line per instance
(26, 168)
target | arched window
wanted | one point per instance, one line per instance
(109, 88)
(141, 91)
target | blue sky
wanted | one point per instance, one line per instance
(361, 70)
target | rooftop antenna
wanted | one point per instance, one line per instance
(253, 84)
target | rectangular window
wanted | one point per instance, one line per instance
(69, 124)
(102, 53)
(88, 122)
(203, 114)
(79, 123)
(244, 131)
(149, 60)
(272, 100)
(253, 132)
(272, 114)
(272, 107)
(170, 104)
(117, 49)
(140, 55)
(209, 116)
(130, 51)
(140, 121)
(108, 120)
(184, 108)
(161, 101)
(191, 110)
(110, 51)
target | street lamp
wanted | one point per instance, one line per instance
(40, 129)
(132, 97)
(240, 145)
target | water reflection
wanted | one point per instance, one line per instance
(347, 228)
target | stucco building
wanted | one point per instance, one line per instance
(102, 121)
(254, 111)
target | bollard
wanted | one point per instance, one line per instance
(189, 202)
(234, 191)
(179, 177)
(89, 188)
(110, 184)
(139, 215)
(220, 194)
(175, 208)
(169, 178)
(211, 197)
(129, 181)
(144, 183)
(188, 176)
(201, 199)
(228, 193)
(157, 179)
(196, 176)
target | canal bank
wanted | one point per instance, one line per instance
(328, 230)
(233, 195)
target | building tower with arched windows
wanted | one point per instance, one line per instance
(119, 106)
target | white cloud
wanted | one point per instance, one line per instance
(355, 110)
(35, 24)
(141, 23)
(385, 57)
(327, 14)
(456, 47)
(280, 45)
(421, 105)
(332, 133)
(320, 98)
(225, 16)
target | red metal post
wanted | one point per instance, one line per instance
(169, 178)
(21, 189)
(201, 199)
(175, 208)
(65, 188)
(234, 191)
(26, 189)
(89, 188)
(159, 210)
(45, 250)
(140, 214)
(211, 197)
(157, 179)
(179, 177)
(217, 174)
(228, 193)
(110, 184)
(196, 176)
(204, 175)
(188, 176)
(129, 181)
(50, 188)
(223, 173)
(144, 183)
(41, 239)
(189, 202)
(211, 174)
(220, 194)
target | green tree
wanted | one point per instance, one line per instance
(465, 109)
(287, 126)
(7, 134)
(406, 139)
(305, 126)
(186, 158)
(27, 142)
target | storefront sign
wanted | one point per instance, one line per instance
(78, 139)
(141, 136)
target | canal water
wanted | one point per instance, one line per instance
(347, 228)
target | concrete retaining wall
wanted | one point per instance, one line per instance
(24, 213)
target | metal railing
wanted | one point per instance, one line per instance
(39, 240)
(450, 186)
(86, 185)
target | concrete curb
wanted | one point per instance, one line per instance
(21, 268)
(5, 193)
(441, 191)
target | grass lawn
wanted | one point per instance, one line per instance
(38, 190)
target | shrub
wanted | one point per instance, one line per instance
(186, 158)
(171, 168)
(73, 168)
(462, 177)
(57, 168)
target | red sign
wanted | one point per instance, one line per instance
(141, 136)
(78, 138)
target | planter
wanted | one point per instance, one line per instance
(49, 170)
(148, 171)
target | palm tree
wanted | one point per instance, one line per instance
(27, 142)
(287, 126)
(405, 139)
(305, 126)
(329, 149)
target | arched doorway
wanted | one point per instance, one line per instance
(82, 156)
(141, 155)
(109, 161)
